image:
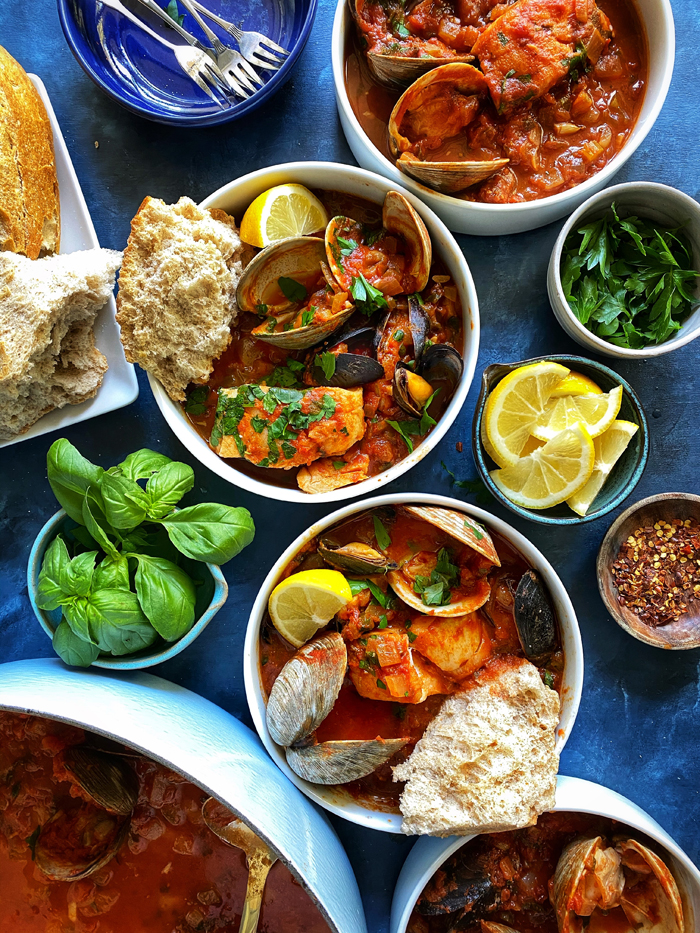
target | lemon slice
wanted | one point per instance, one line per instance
(516, 405)
(609, 447)
(576, 384)
(305, 602)
(597, 412)
(281, 212)
(550, 474)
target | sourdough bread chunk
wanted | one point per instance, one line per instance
(30, 217)
(177, 290)
(48, 357)
(486, 763)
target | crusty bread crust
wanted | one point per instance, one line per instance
(30, 216)
(177, 290)
(487, 762)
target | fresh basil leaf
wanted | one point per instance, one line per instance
(70, 475)
(51, 587)
(111, 573)
(197, 399)
(167, 596)
(210, 531)
(173, 12)
(83, 537)
(117, 622)
(79, 573)
(357, 586)
(142, 463)
(291, 289)
(95, 520)
(125, 503)
(405, 428)
(427, 421)
(76, 614)
(165, 489)
(381, 534)
(71, 649)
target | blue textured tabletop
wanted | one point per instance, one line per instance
(638, 729)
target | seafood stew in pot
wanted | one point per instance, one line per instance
(436, 598)
(346, 351)
(570, 872)
(497, 102)
(95, 838)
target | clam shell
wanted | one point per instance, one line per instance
(449, 177)
(588, 877)
(340, 762)
(306, 689)
(58, 866)
(398, 71)
(108, 780)
(296, 256)
(301, 338)
(462, 607)
(400, 218)
(459, 526)
(653, 905)
(534, 617)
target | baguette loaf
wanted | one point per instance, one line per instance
(487, 762)
(30, 217)
(177, 290)
(48, 357)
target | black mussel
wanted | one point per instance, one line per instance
(535, 618)
(410, 390)
(350, 370)
(442, 366)
(461, 885)
(419, 322)
(355, 557)
(352, 332)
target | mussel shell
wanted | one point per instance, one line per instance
(351, 369)
(419, 323)
(449, 177)
(442, 365)
(534, 617)
(107, 779)
(464, 886)
(306, 689)
(356, 557)
(59, 867)
(341, 762)
(401, 391)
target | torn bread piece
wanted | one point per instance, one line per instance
(487, 763)
(48, 357)
(177, 290)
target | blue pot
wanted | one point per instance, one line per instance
(211, 595)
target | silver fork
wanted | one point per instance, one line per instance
(195, 63)
(229, 82)
(251, 44)
(230, 61)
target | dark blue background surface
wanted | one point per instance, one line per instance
(638, 728)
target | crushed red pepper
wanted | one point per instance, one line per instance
(657, 571)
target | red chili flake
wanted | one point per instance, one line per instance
(657, 571)
(459, 447)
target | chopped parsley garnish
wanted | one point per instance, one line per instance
(474, 486)
(261, 309)
(381, 534)
(339, 464)
(383, 621)
(327, 362)
(291, 289)
(475, 529)
(307, 316)
(368, 299)
(548, 679)
(380, 683)
(271, 324)
(435, 590)
(196, 403)
(346, 246)
(258, 424)
(285, 376)
(357, 586)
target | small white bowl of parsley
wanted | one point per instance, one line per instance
(624, 276)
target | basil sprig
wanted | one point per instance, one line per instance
(121, 578)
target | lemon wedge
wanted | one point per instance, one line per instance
(281, 212)
(597, 412)
(576, 384)
(550, 474)
(306, 602)
(516, 405)
(609, 447)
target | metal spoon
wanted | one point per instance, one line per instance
(259, 857)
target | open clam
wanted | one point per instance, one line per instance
(401, 61)
(394, 268)
(591, 877)
(288, 282)
(534, 618)
(75, 844)
(436, 107)
(404, 581)
(342, 761)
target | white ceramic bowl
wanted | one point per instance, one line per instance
(335, 799)
(659, 203)
(573, 796)
(210, 748)
(496, 219)
(235, 198)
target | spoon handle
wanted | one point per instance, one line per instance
(254, 896)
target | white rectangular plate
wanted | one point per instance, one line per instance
(119, 386)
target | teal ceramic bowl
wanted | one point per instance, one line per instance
(625, 474)
(211, 595)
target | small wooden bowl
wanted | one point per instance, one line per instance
(683, 633)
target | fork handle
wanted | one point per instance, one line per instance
(229, 27)
(173, 24)
(120, 8)
(210, 34)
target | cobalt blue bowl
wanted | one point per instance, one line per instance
(144, 76)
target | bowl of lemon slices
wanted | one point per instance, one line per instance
(559, 440)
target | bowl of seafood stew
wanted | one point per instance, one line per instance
(429, 338)
(566, 125)
(363, 713)
(587, 812)
(166, 752)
